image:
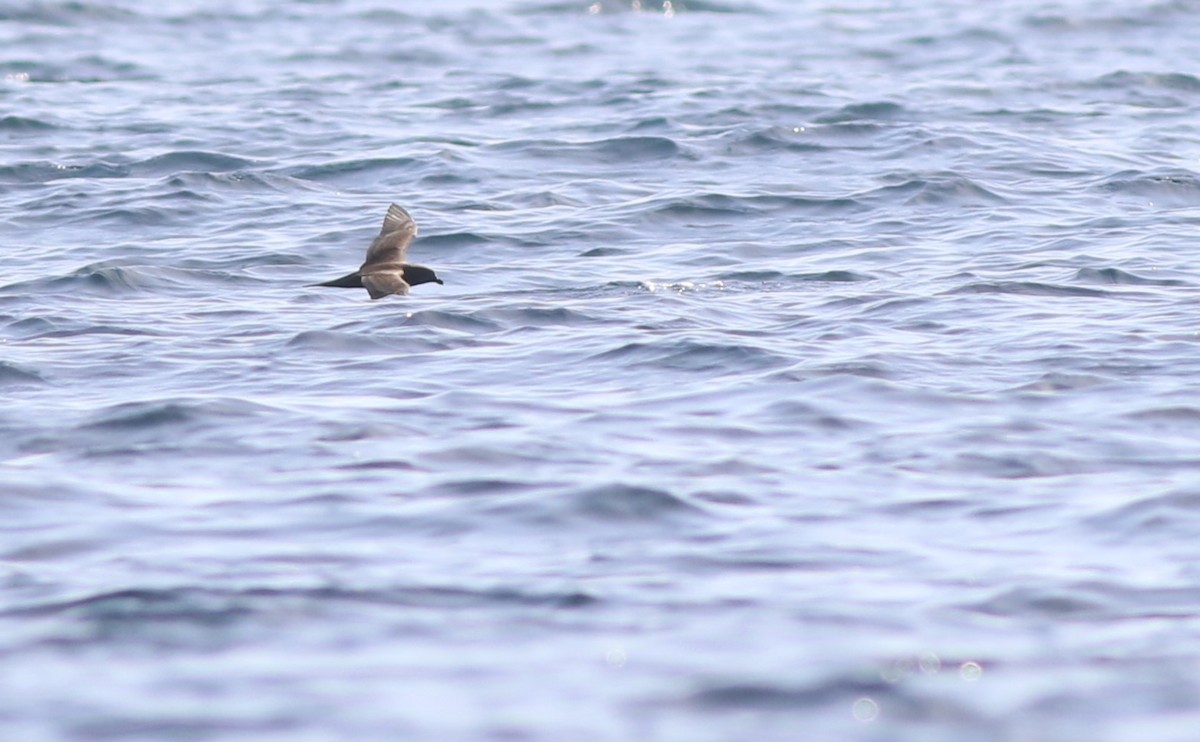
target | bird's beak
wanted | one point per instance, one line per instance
(441, 282)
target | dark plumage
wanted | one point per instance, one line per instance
(384, 272)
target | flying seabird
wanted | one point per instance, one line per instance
(384, 271)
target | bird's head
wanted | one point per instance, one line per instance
(415, 275)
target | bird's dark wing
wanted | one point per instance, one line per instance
(398, 231)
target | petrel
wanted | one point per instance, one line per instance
(384, 271)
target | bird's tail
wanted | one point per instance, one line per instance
(350, 281)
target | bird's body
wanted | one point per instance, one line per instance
(384, 272)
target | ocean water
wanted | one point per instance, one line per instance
(804, 370)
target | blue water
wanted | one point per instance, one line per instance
(803, 370)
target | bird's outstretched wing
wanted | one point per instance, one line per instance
(384, 283)
(398, 231)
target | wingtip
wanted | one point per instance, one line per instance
(397, 218)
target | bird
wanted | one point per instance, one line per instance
(384, 272)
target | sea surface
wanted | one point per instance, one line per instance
(804, 370)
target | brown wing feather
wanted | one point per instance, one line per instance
(384, 283)
(397, 232)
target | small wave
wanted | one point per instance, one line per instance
(328, 341)
(758, 276)
(64, 13)
(190, 161)
(658, 7)
(1017, 466)
(86, 69)
(615, 150)
(29, 327)
(677, 287)
(1152, 90)
(791, 413)
(1049, 603)
(849, 135)
(1140, 80)
(937, 189)
(463, 598)
(689, 355)
(378, 168)
(605, 252)
(139, 216)
(876, 111)
(1028, 288)
(378, 465)
(481, 486)
(24, 125)
(1184, 416)
(143, 607)
(773, 139)
(451, 240)
(1171, 188)
(15, 375)
(1118, 277)
(198, 185)
(109, 279)
(44, 172)
(152, 615)
(459, 321)
(721, 204)
(373, 338)
(618, 502)
(835, 276)
(603, 505)
(1171, 514)
(535, 316)
(1060, 382)
(42, 327)
(841, 690)
(140, 416)
(623, 149)
(778, 278)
